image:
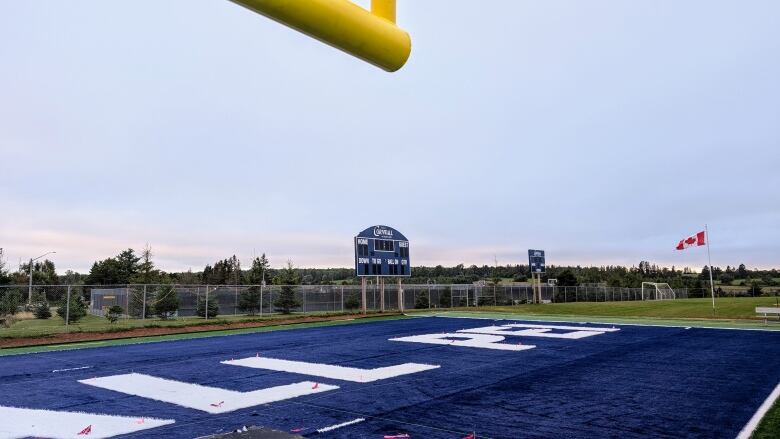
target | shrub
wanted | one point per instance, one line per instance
(114, 312)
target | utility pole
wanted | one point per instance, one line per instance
(29, 291)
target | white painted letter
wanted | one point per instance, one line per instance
(330, 371)
(194, 396)
(19, 423)
(471, 340)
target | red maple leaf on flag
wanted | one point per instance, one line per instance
(695, 240)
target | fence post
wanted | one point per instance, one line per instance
(304, 299)
(67, 307)
(207, 303)
(127, 302)
(261, 299)
(342, 298)
(143, 307)
(235, 305)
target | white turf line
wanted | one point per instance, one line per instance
(330, 371)
(532, 319)
(343, 424)
(208, 399)
(21, 423)
(752, 424)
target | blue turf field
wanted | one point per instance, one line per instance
(638, 382)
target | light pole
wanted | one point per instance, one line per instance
(29, 291)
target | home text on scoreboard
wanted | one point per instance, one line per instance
(382, 251)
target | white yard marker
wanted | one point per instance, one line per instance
(71, 369)
(21, 422)
(330, 371)
(484, 341)
(343, 424)
(208, 399)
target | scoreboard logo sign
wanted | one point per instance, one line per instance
(382, 232)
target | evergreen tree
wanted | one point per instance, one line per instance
(145, 271)
(5, 278)
(421, 301)
(9, 306)
(567, 279)
(213, 307)
(250, 300)
(114, 312)
(287, 278)
(259, 270)
(445, 297)
(128, 265)
(352, 302)
(167, 302)
(42, 311)
(75, 311)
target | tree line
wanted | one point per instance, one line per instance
(130, 267)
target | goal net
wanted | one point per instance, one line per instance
(657, 291)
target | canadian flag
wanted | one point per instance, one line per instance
(695, 240)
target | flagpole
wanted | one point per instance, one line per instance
(709, 260)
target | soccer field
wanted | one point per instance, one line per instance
(428, 377)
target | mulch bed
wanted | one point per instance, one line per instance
(74, 337)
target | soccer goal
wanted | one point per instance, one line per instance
(657, 291)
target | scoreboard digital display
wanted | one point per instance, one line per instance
(382, 251)
(536, 261)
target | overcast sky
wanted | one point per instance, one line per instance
(601, 131)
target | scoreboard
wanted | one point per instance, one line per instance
(382, 251)
(536, 261)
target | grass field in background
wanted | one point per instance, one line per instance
(90, 323)
(740, 308)
(727, 308)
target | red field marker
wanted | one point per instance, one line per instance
(218, 404)
(86, 431)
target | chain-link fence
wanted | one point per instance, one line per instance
(208, 301)
(127, 306)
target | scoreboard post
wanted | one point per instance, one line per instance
(382, 251)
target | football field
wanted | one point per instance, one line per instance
(426, 377)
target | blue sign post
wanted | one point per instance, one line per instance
(382, 251)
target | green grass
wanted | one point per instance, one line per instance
(191, 335)
(739, 308)
(769, 428)
(90, 323)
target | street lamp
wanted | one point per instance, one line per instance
(29, 292)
